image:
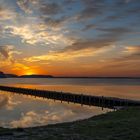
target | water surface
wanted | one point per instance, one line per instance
(24, 111)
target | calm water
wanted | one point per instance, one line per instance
(24, 111)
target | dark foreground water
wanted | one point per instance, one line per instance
(24, 111)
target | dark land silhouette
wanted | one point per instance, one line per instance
(5, 75)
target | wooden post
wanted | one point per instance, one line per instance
(73, 98)
(61, 97)
(102, 102)
(89, 100)
(81, 100)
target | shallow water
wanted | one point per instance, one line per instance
(24, 111)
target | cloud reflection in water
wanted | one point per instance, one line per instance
(26, 111)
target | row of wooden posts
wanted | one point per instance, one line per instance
(100, 101)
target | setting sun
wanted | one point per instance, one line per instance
(30, 72)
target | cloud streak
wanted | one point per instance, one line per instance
(6, 14)
(6, 51)
(50, 8)
(108, 37)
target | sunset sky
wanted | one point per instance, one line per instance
(70, 37)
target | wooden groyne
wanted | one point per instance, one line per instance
(100, 101)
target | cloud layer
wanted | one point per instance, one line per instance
(65, 29)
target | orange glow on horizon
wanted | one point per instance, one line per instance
(71, 71)
(28, 72)
(31, 71)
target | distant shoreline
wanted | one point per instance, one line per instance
(78, 77)
(5, 75)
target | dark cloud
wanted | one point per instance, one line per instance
(54, 22)
(93, 2)
(89, 12)
(117, 9)
(1, 30)
(108, 38)
(49, 12)
(92, 8)
(46, 7)
(88, 27)
(94, 44)
(3, 13)
(112, 35)
(1, 9)
(113, 17)
(69, 1)
(24, 5)
(50, 8)
(5, 51)
(95, 8)
(123, 9)
(117, 30)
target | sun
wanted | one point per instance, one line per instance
(30, 72)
